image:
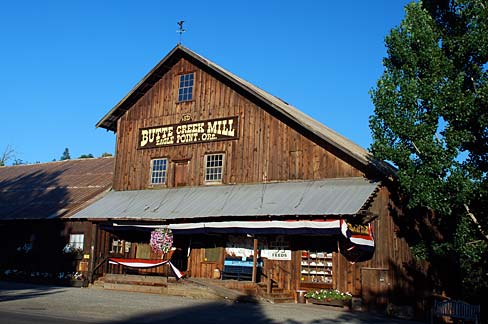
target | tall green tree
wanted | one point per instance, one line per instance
(66, 155)
(431, 121)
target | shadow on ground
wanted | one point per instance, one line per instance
(16, 291)
(246, 311)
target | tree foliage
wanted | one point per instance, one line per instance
(86, 156)
(65, 155)
(431, 121)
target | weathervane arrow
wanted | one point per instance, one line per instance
(181, 30)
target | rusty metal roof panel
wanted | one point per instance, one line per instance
(54, 189)
(301, 198)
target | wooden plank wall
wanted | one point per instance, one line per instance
(198, 268)
(267, 149)
(102, 247)
(79, 227)
(385, 272)
(102, 251)
(284, 273)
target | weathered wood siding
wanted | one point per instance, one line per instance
(267, 149)
(385, 273)
(199, 268)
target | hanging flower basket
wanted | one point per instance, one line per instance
(161, 240)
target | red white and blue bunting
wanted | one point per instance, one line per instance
(145, 264)
(358, 243)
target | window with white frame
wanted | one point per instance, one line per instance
(185, 89)
(159, 170)
(214, 167)
(76, 241)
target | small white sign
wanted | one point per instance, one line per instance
(276, 254)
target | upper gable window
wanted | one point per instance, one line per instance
(185, 89)
(159, 168)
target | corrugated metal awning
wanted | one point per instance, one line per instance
(302, 198)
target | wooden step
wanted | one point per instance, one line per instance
(155, 285)
(278, 299)
(136, 288)
(282, 300)
(139, 280)
(277, 295)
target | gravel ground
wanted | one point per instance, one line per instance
(89, 305)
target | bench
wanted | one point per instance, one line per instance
(456, 310)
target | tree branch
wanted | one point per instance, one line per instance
(8, 153)
(473, 218)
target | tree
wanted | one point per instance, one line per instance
(86, 156)
(431, 121)
(7, 154)
(66, 155)
(106, 154)
(19, 162)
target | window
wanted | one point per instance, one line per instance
(185, 89)
(159, 168)
(212, 254)
(214, 165)
(76, 241)
(120, 246)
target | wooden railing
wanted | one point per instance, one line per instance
(456, 310)
(97, 266)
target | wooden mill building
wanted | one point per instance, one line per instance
(252, 188)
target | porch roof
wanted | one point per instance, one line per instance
(327, 197)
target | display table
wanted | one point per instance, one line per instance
(240, 269)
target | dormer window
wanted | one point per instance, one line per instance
(185, 89)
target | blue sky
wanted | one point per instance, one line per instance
(65, 64)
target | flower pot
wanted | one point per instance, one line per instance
(78, 283)
(327, 301)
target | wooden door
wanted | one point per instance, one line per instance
(181, 173)
(375, 284)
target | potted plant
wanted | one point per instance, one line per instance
(329, 297)
(78, 279)
(71, 251)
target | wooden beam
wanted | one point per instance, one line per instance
(255, 260)
(93, 247)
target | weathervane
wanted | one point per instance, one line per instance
(181, 30)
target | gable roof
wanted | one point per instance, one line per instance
(54, 189)
(282, 108)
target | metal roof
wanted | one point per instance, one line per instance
(54, 189)
(341, 143)
(304, 198)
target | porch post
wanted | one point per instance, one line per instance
(93, 241)
(255, 260)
